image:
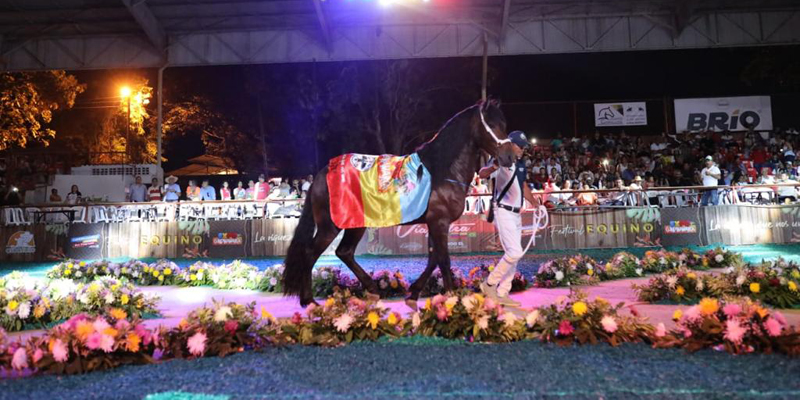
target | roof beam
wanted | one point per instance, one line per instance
(323, 24)
(148, 22)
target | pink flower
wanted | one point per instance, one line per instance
(297, 318)
(773, 327)
(73, 322)
(231, 326)
(37, 355)
(197, 344)
(687, 333)
(661, 330)
(107, 343)
(144, 334)
(609, 324)
(441, 313)
(731, 310)
(691, 314)
(100, 324)
(356, 303)
(438, 299)
(122, 325)
(733, 331)
(20, 360)
(489, 304)
(93, 341)
(778, 316)
(310, 308)
(342, 323)
(60, 353)
(565, 328)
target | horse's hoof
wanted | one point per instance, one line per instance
(412, 304)
(373, 297)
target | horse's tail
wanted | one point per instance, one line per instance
(297, 272)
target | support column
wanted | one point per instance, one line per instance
(159, 133)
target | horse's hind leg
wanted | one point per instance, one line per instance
(326, 232)
(347, 253)
(419, 284)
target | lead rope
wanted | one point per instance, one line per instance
(539, 214)
(491, 132)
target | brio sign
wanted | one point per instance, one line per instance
(723, 114)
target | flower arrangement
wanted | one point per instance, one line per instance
(479, 274)
(235, 275)
(469, 316)
(81, 270)
(721, 258)
(271, 279)
(735, 325)
(103, 293)
(622, 265)
(21, 301)
(578, 320)
(342, 319)
(567, 271)
(196, 274)
(659, 261)
(774, 283)
(693, 260)
(681, 285)
(390, 284)
(161, 272)
(326, 278)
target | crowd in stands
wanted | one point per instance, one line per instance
(632, 165)
(275, 189)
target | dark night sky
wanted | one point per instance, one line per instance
(520, 81)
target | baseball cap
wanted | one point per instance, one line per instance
(709, 158)
(519, 139)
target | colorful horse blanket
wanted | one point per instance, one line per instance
(377, 191)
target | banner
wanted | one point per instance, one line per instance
(620, 114)
(723, 113)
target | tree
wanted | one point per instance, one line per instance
(776, 68)
(28, 101)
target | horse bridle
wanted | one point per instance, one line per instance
(491, 132)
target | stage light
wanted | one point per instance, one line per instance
(605, 161)
(125, 91)
(385, 3)
(533, 141)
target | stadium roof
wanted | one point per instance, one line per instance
(89, 34)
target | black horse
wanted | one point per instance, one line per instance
(451, 157)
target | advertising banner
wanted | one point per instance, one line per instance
(723, 113)
(85, 241)
(620, 114)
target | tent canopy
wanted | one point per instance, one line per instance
(206, 165)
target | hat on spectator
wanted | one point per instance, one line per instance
(172, 178)
(709, 158)
(638, 178)
(519, 139)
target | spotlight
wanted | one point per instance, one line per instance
(605, 161)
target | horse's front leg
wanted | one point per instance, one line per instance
(420, 283)
(441, 254)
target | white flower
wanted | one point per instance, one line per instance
(222, 314)
(24, 310)
(639, 271)
(509, 319)
(273, 281)
(682, 257)
(84, 298)
(589, 266)
(728, 270)
(109, 298)
(662, 260)
(78, 274)
(451, 302)
(342, 323)
(559, 275)
(468, 302)
(531, 318)
(415, 321)
(200, 276)
(324, 274)
(719, 258)
(483, 323)
(740, 280)
(699, 285)
(380, 305)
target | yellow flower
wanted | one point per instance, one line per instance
(691, 275)
(183, 324)
(479, 297)
(70, 265)
(139, 303)
(93, 288)
(762, 312)
(680, 290)
(677, 314)
(792, 286)
(124, 299)
(161, 278)
(117, 313)
(192, 277)
(708, 306)
(265, 314)
(373, 319)
(82, 263)
(579, 308)
(590, 272)
(601, 300)
(124, 270)
(155, 274)
(428, 304)
(115, 287)
(12, 305)
(133, 341)
(795, 274)
(38, 311)
(329, 302)
(608, 265)
(168, 271)
(67, 272)
(200, 271)
(392, 319)
(755, 287)
(111, 332)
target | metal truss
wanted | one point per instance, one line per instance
(314, 30)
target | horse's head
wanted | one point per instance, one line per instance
(491, 133)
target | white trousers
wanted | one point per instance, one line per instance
(509, 228)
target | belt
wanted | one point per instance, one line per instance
(509, 208)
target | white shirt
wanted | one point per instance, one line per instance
(306, 186)
(513, 197)
(557, 167)
(785, 191)
(709, 180)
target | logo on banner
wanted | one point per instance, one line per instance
(723, 114)
(679, 227)
(89, 241)
(227, 239)
(620, 114)
(21, 243)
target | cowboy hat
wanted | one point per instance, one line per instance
(638, 178)
(172, 178)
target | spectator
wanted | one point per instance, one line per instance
(586, 198)
(240, 193)
(192, 191)
(137, 191)
(225, 192)
(207, 192)
(54, 197)
(787, 194)
(261, 189)
(307, 184)
(251, 190)
(74, 196)
(766, 178)
(710, 176)
(172, 190)
(154, 192)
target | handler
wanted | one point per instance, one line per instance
(510, 191)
